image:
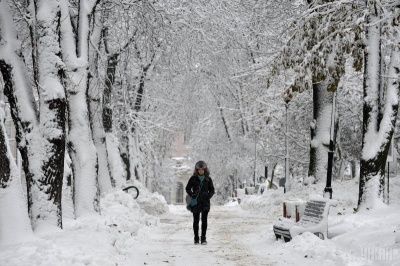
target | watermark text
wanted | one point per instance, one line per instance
(378, 254)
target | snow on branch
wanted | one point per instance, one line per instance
(320, 39)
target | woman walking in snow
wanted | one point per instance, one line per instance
(200, 187)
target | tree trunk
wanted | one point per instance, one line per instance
(83, 155)
(379, 113)
(112, 62)
(134, 157)
(117, 160)
(114, 156)
(353, 169)
(96, 109)
(52, 107)
(23, 120)
(272, 175)
(243, 120)
(133, 137)
(41, 138)
(5, 168)
(81, 147)
(320, 131)
(67, 196)
(124, 148)
(224, 121)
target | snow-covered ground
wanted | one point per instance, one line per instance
(147, 231)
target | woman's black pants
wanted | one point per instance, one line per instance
(196, 220)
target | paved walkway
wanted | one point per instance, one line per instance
(234, 237)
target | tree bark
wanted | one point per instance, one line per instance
(379, 113)
(133, 135)
(52, 102)
(23, 121)
(112, 62)
(5, 168)
(81, 147)
(95, 93)
(118, 157)
(40, 135)
(124, 149)
(320, 131)
(224, 121)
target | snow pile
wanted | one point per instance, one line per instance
(15, 227)
(126, 233)
(152, 203)
(106, 239)
(122, 212)
(314, 248)
(366, 237)
(271, 201)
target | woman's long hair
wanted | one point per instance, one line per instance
(206, 173)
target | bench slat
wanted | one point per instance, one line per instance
(313, 214)
(315, 209)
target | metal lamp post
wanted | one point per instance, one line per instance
(328, 187)
(256, 131)
(255, 160)
(287, 98)
(267, 119)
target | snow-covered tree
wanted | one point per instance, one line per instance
(95, 94)
(349, 113)
(322, 37)
(381, 95)
(224, 48)
(74, 38)
(331, 29)
(130, 70)
(40, 128)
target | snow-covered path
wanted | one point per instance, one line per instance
(229, 229)
(235, 237)
(126, 235)
(240, 237)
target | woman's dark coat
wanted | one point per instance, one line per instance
(206, 192)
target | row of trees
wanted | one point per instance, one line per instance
(327, 36)
(349, 48)
(102, 87)
(75, 75)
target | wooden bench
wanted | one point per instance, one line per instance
(314, 220)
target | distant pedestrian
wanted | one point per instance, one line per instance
(200, 187)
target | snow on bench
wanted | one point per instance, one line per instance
(293, 208)
(314, 220)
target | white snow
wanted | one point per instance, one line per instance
(147, 231)
(14, 220)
